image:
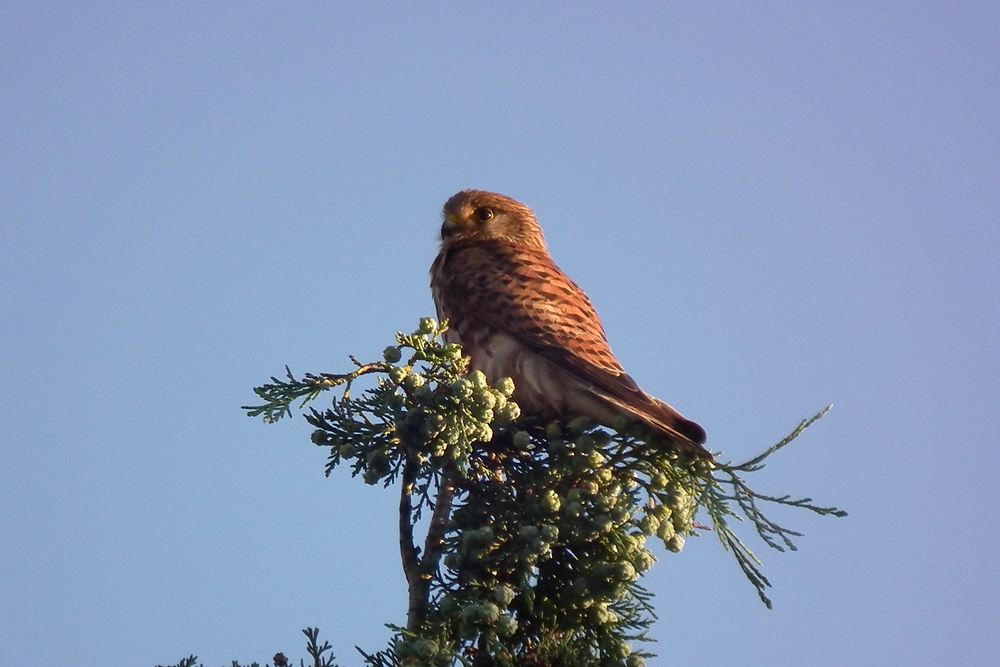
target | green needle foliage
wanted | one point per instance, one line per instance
(317, 652)
(538, 531)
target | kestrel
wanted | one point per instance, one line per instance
(517, 315)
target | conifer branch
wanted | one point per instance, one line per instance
(537, 536)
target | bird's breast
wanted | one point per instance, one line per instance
(539, 385)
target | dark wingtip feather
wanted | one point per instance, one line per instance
(692, 430)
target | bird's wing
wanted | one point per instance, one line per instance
(522, 292)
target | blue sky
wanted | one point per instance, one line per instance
(773, 208)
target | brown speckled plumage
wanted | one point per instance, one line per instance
(518, 315)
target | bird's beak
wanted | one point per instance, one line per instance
(449, 226)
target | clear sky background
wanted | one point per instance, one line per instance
(774, 207)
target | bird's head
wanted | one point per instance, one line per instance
(487, 216)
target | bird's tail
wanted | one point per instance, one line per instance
(683, 435)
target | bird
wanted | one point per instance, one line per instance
(517, 315)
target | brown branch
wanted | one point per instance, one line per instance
(434, 544)
(407, 550)
(419, 586)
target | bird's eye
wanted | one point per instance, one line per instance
(483, 214)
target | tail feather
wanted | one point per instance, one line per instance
(686, 436)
